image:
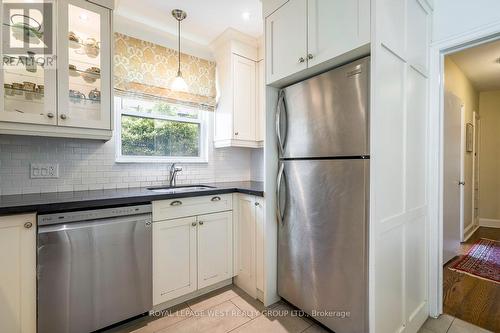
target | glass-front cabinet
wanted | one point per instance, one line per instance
(28, 73)
(56, 68)
(84, 65)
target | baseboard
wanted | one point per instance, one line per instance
(182, 299)
(490, 223)
(469, 231)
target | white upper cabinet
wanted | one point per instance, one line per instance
(64, 88)
(286, 40)
(18, 273)
(238, 119)
(215, 248)
(336, 27)
(315, 35)
(84, 65)
(245, 98)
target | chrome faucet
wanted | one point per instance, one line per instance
(174, 169)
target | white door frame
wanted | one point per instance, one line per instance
(462, 172)
(476, 123)
(438, 50)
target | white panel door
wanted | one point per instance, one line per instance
(245, 98)
(215, 248)
(336, 27)
(453, 176)
(174, 259)
(398, 174)
(245, 249)
(286, 40)
(18, 273)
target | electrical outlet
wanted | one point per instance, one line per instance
(44, 170)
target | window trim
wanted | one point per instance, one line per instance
(119, 158)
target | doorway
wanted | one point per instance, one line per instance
(470, 183)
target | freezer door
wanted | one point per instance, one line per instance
(322, 240)
(326, 115)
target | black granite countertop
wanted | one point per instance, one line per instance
(67, 201)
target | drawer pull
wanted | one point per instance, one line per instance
(176, 203)
(28, 225)
(194, 224)
(216, 199)
(201, 222)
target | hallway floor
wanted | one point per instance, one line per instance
(469, 298)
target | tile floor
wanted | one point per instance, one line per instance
(231, 310)
(448, 324)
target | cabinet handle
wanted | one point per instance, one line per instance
(50, 115)
(194, 224)
(201, 222)
(301, 60)
(236, 133)
(63, 116)
(216, 199)
(176, 203)
(310, 56)
(28, 225)
(257, 204)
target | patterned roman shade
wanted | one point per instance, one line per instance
(145, 68)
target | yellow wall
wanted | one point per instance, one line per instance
(457, 83)
(489, 157)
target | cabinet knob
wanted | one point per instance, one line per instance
(201, 222)
(310, 56)
(63, 116)
(236, 133)
(257, 204)
(194, 224)
(176, 203)
(28, 225)
(301, 59)
(216, 199)
(50, 115)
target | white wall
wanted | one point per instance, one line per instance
(90, 165)
(455, 17)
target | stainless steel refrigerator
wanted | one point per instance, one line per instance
(322, 126)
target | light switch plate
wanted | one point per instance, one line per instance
(44, 170)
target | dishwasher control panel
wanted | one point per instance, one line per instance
(96, 214)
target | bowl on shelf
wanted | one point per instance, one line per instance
(91, 74)
(95, 95)
(74, 40)
(91, 47)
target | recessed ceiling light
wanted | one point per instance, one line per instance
(84, 17)
(246, 16)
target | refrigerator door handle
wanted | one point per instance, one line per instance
(281, 173)
(281, 140)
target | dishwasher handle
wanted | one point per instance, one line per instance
(144, 218)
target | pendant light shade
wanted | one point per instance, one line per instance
(178, 83)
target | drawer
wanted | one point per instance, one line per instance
(183, 207)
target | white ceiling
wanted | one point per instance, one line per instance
(480, 65)
(206, 19)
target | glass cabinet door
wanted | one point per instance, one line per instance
(84, 65)
(28, 70)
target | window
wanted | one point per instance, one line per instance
(150, 130)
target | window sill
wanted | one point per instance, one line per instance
(164, 160)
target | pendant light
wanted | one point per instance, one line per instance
(178, 83)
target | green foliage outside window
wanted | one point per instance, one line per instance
(158, 137)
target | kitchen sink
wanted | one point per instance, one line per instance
(179, 189)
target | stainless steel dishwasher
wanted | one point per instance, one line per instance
(94, 268)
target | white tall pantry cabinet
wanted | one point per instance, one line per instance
(305, 37)
(18, 273)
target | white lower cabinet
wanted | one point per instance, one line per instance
(18, 273)
(191, 252)
(174, 258)
(249, 243)
(215, 248)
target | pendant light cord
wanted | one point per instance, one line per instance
(179, 47)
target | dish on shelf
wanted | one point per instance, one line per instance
(29, 86)
(91, 47)
(74, 40)
(95, 95)
(91, 74)
(73, 71)
(77, 95)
